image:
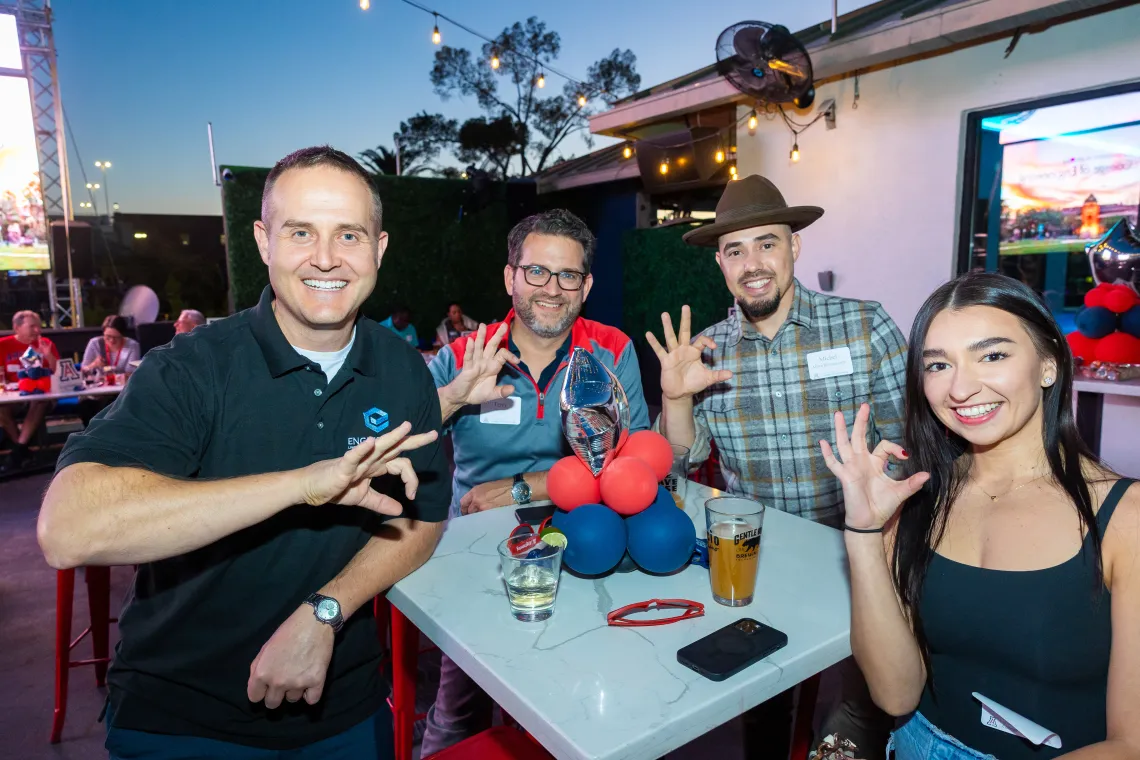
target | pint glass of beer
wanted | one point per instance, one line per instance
(734, 527)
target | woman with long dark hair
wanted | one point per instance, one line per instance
(1004, 590)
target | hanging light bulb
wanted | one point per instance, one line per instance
(752, 122)
(795, 152)
(365, 4)
(582, 100)
(627, 151)
(494, 59)
(719, 155)
(541, 79)
(664, 167)
(732, 171)
(435, 37)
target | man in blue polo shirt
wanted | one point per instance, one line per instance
(500, 404)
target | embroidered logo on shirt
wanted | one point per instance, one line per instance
(376, 420)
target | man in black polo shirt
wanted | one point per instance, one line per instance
(236, 469)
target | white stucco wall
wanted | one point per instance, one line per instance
(889, 175)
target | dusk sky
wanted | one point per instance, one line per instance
(139, 80)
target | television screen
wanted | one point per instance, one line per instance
(23, 233)
(1061, 192)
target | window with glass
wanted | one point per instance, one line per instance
(1043, 180)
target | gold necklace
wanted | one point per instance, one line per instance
(1007, 493)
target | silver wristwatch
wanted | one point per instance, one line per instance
(326, 609)
(520, 491)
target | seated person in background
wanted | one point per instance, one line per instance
(454, 325)
(188, 320)
(401, 323)
(27, 335)
(997, 567)
(114, 350)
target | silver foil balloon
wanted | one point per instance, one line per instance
(1115, 258)
(595, 410)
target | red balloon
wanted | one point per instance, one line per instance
(1095, 297)
(1118, 348)
(1120, 299)
(651, 448)
(571, 484)
(1082, 345)
(628, 485)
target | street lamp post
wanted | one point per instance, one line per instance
(104, 166)
(91, 188)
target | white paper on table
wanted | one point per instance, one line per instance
(1004, 719)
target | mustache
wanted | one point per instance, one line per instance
(753, 276)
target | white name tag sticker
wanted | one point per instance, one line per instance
(502, 411)
(1004, 719)
(830, 363)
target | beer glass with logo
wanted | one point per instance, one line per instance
(677, 479)
(734, 527)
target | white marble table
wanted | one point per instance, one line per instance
(13, 397)
(586, 690)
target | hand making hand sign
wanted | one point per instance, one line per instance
(683, 374)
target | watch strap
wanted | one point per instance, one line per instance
(336, 623)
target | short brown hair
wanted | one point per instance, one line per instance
(321, 155)
(558, 222)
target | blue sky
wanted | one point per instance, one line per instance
(140, 79)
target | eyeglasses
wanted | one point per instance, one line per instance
(691, 610)
(538, 276)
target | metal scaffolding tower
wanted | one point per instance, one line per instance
(37, 46)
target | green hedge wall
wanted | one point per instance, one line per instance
(663, 273)
(432, 258)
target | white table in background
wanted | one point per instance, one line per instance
(589, 691)
(13, 397)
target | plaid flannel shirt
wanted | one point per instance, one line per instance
(767, 420)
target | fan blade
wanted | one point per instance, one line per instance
(786, 68)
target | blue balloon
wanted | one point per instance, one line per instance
(661, 538)
(1130, 322)
(595, 538)
(1096, 322)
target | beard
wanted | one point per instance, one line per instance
(760, 308)
(526, 311)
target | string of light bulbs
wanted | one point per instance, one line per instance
(495, 62)
(792, 126)
(720, 155)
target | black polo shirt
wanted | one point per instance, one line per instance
(230, 399)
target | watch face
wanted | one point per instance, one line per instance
(328, 609)
(520, 491)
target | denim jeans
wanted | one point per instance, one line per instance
(919, 739)
(368, 740)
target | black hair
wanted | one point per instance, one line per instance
(558, 222)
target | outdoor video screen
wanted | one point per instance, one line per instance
(23, 233)
(1061, 192)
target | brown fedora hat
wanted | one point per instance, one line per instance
(751, 201)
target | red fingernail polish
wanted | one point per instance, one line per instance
(904, 452)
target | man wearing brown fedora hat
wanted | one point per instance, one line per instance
(765, 383)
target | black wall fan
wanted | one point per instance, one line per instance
(766, 62)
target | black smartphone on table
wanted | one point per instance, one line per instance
(534, 515)
(726, 652)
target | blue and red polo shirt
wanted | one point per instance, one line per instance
(523, 433)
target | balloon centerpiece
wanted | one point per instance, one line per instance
(607, 493)
(1106, 343)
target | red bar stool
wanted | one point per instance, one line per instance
(99, 603)
(498, 743)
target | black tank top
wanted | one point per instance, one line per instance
(1034, 641)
